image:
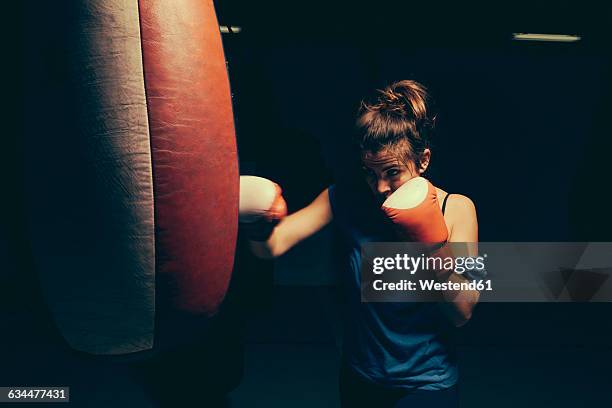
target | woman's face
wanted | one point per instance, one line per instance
(385, 172)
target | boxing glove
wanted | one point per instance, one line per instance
(414, 211)
(261, 207)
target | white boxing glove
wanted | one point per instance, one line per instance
(261, 207)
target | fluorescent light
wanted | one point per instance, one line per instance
(230, 29)
(545, 37)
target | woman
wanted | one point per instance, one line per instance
(394, 354)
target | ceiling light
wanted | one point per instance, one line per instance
(545, 37)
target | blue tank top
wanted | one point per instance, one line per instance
(403, 345)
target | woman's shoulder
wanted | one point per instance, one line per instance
(460, 213)
(456, 204)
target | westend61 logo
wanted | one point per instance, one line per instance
(396, 267)
(500, 271)
(411, 264)
(413, 272)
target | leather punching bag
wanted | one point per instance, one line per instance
(133, 176)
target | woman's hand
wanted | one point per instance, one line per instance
(264, 219)
(414, 210)
(262, 207)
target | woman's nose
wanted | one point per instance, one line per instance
(382, 187)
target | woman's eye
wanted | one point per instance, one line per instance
(393, 173)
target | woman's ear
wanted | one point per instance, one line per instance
(424, 160)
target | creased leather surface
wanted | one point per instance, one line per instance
(195, 166)
(90, 179)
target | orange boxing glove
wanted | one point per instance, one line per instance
(414, 210)
(261, 207)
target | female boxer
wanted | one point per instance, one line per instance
(394, 354)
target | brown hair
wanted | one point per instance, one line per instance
(397, 114)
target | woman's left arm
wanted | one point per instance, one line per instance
(455, 235)
(458, 305)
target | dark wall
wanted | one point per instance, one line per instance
(522, 130)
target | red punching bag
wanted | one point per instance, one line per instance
(133, 186)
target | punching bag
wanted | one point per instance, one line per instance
(132, 173)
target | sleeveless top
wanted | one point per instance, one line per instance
(404, 345)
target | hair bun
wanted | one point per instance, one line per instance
(406, 98)
(392, 103)
(400, 111)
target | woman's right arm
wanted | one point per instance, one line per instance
(295, 227)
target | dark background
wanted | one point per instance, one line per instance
(523, 130)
